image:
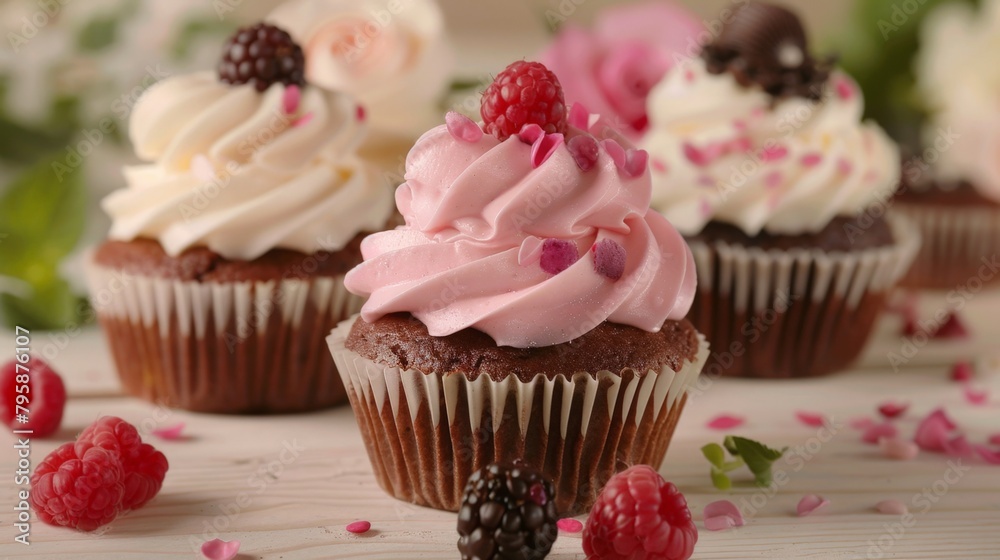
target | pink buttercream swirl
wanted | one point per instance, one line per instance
(532, 250)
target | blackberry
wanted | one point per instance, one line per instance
(262, 55)
(508, 512)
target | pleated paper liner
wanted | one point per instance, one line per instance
(958, 241)
(793, 313)
(237, 347)
(427, 432)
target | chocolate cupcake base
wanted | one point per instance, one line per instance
(794, 312)
(427, 432)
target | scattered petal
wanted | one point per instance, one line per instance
(696, 156)
(813, 419)
(616, 152)
(933, 431)
(569, 525)
(584, 150)
(877, 431)
(958, 446)
(530, 133)
(558, 255)
(658, 165)
(893, 409)
(202, 169)
(861, 422)
(290, 99)
(898, 449)
(609, 259)
(360, 113)
(636, 162)
(544, 147)
(891, 507)
(977, 397)
(811, 160)
(579, 116)
(358, 527)
(810, 503)
(990, 456)
(773, 153)
(722, 515)
(170, 432)
(725, 422)
(952, 328)
(303, 120)
(530, 252)
(961, 372)
(462, 127)
(217, 549)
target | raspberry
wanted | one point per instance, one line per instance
(524, 93)
(144, 466)
(45, 397)
(263, 55)
(639, 515)
(507, 512)
(80, 492)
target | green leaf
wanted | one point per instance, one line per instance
(730, 446)
(715, 454)
(732, 465)
(720, 480)
(758, 457)
(98, 34)
(50, 306)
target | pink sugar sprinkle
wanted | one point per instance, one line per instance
(584, 151)
(725, 422)
(891, 507)
(811, 160)
(303, 120)
(974, 396)
(721, 515)
(616, 152)
(696, 156)
(170, 432)
(609, 259)
(579, 116)
(961, 372)
(358, 527)
(558, 255)
(812, 419)
(844, 87)
(773, 153)
(290, 99)
(901, 450)
(569, 525)
(462, 127)
(873, 433)
(217, 549)
(658, 165)
(636, 162)
(544, 147)
(892, 409)
(809, 504)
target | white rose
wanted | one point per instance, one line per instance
(962, 88)
(389, 54)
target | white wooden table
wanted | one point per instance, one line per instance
(230, 472)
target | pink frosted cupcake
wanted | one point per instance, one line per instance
(531, 307)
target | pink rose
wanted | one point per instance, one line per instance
(611, 68)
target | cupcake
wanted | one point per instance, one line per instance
(760, 159)
(531, 307)
(954, 189)
(224, 266)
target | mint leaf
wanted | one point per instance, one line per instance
(730, 446)
(720, 480)
(758, 457)
(715, 454)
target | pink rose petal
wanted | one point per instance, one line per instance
(579, 117)
(636, 162)
(530, 251)
(616, 152)
(303, 120)
(977, 397)
(569, 525)
(725, 422)
(875, 432)
(170, 432)
(358, 527)
(558, 255)
(891, 507)
(609, 259)
(861, 422)
(958, 446)
(290, 99)
(933, 431)
(216, 549)
(202, 169)
(530, 133)
(892, 409)
(898, 449)
(722, 515)
(584, 150)
(462, 127)
(961, 372)
(813, 419)
(544, 147)
(990, 456)
(810, 503)
(952, 328)
(994, 439)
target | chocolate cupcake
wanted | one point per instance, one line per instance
(225, 263)
(532, 307)
(760, 159)
(953, 193)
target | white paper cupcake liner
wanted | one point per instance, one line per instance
(794, 313)
(236, 347)
(426, 433)
(957, 242)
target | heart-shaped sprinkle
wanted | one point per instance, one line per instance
(462, 127)
(358, 527)
(609, 259)
(216, 549)
(558, 255)
(726, 422)
(809, 504)
(722, 515)
(584, 150)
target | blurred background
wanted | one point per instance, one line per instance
(71, 70)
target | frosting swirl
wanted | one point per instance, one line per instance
(486, 222)
(243, 172)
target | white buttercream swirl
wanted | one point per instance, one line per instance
(243, 172)
(720, 151)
